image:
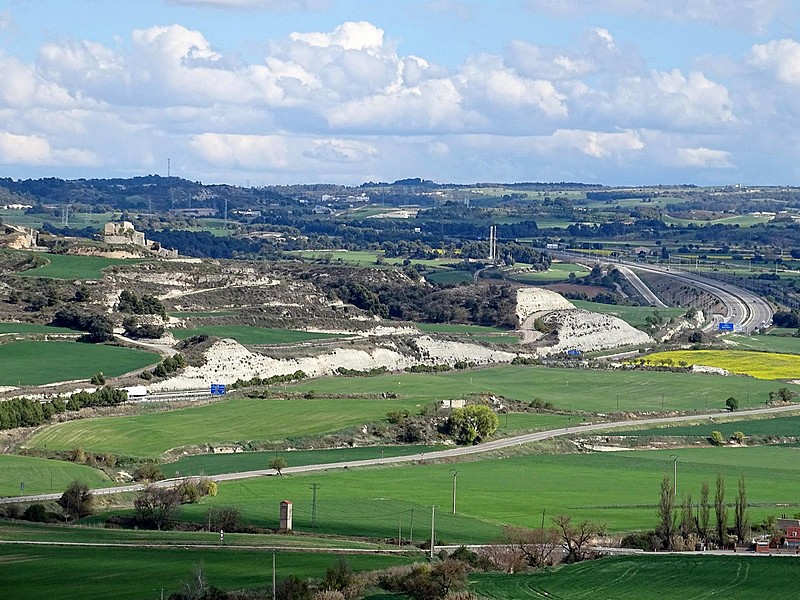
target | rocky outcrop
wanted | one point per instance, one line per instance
(227, 361)
(531, 300)
(590, 332)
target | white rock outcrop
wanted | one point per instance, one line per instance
(531, 300)
(227, 360)
(590, 332)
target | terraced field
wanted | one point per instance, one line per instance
(253, 335)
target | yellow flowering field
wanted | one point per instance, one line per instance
(763, 365)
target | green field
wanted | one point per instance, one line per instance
(557, 272)
(576, 389)
(253, 335)
(619, 489)
(43, 476)
(75, 573)
(39, 362)
(634, 315)
(66, 266)
(227, 421)
(214, 464)
(265, 420)
(743, 577)
(779, 427)
(33, 329)
(765, 343)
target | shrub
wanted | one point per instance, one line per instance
(732, 404)
(716, 438)
(738, 437)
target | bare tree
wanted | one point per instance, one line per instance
(575, 537)
(666, 514)
(703, 513)
(741, 522)
(687, 526)
(157, 505)
(721, 512)
(534, 546)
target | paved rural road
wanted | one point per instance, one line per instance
(439, 454)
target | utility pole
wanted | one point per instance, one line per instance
(411, 529)
(433, 528)
(274, 587)
(675, 475)
(314, 487)
(454, 473)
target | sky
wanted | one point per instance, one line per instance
(273, 92)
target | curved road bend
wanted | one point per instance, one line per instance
(439, 454)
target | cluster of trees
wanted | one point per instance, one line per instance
(203, 244)
(157, 506)
(492, 305)
(24, 412)
(98, 327)
(688, 525)
(136, 330)
(146, 304)
(171, 364)
(287, 378)
(472, 424)
(787, 318)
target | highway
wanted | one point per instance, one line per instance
(422, 457)
(746, 310)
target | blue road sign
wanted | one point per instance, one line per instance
(573, 352)
(726, 326)
(217, 389)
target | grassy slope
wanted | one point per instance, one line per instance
(635, 577)
(567, 388)
(42, 476)
(37, 362)
(766, 343)
(617, 488)
(226, 421)
(77, 573)
(65, 266)
(252, 335)
(780, 426)
(248, 461)
(634, 315)
(33, 328)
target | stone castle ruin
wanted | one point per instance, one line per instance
(125, 234)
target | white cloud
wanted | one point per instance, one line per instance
(668, 100)
(598, 144)
(342, 151)
(35, 150)
(779, 58)
(23, 88)
(265, 152)
(349, 36)
(704, 158)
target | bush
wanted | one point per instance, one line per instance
(716, 438)
(738, 437)
(148, 472)
(732, 404)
